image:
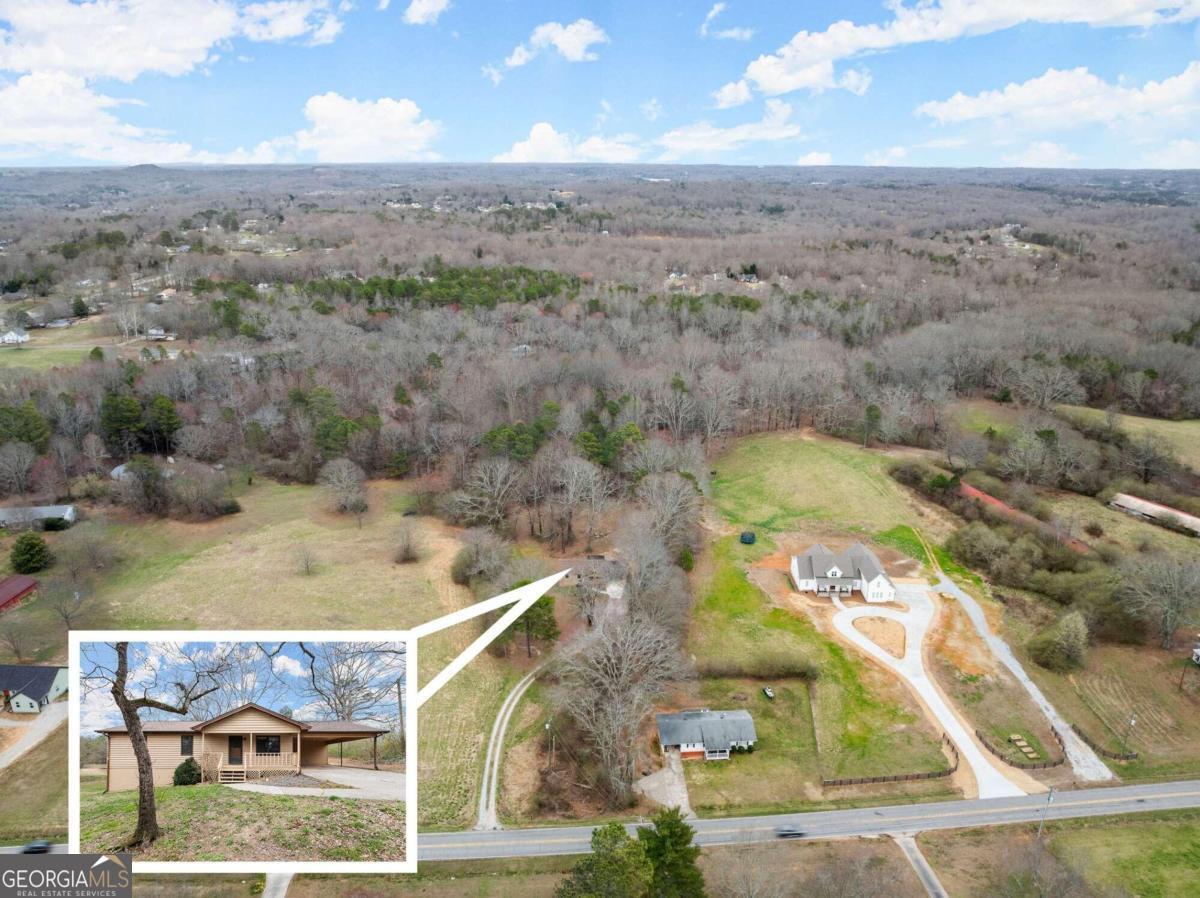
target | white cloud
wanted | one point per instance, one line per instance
(425, 12)
(1043, 154)
(493, 74)
(50, 113)
(281, 20)
(717, 9)
(285, 664)
(603, 115)
(652, 109)
(815, 158)
(53, 112)
(728, 34)
(121, 39)
(890, 156)
(1180, 153)
(350, 130)
(545, 144)
(1064, 99)
(807, 61)
(706, 139)
(573, 42)
(733, 94)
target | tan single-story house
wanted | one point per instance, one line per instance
(241, 744)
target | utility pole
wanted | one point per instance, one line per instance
(1045, 809)
(1129, 730)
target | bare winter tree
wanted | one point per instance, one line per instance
(17, 635)
(349, 679)
(194, 677)
(607, 685)
(1165, 590)
(345, 483)
(491, 488)
(69, 601)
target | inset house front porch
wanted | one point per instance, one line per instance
(247, 743)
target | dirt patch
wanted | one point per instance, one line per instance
(887, 634)
(955, 641)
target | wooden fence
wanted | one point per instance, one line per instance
(1101, 750)
(901, 777)
(1021, 765)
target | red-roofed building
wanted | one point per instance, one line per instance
(14, 589)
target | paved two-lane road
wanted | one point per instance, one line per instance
(831, 824)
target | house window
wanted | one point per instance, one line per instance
(185, 745)
(266, 745)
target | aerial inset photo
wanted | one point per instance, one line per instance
(243, 751)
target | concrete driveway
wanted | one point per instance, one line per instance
(990, 781)
(39, 727)
(365, 785)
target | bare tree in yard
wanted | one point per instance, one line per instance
(17, 635)
(349, 679)
(408, 545)
(94, 452)
(597, 496)
(346, 485)
(608, 685)
(574, 481)
(748, 875)
(1147, 458)
(70, 601)
(196, 677)
(1036, 872)
(306, 560)
(1165, 591)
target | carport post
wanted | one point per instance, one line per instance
(375, 751)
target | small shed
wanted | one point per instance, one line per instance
(30, 515)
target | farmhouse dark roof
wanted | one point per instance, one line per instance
(32, 680)
(715, 730)
(12, 588)
(858, 562)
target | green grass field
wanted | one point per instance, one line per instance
(197, 885)
(786, 481)
(242, 571)
(216, 823)
(1149, 856)
(1182, 436)
(33, 793)
(865, 724)
(980, 415)
(1127, 532)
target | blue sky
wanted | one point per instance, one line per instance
(276, 682)
(1089, 83)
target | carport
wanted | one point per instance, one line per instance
(315, 742)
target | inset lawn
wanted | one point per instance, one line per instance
(33, 793)
(217, 823)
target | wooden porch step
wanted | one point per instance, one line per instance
(230, 775)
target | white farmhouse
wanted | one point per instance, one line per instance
(14, 336)
(829, 573)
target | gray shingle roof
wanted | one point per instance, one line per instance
(33, 680)
(716, 730)
(857, 562)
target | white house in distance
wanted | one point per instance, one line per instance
(828, 573)
(14, 336)
(27, 688)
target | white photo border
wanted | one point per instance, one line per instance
(408, 865)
